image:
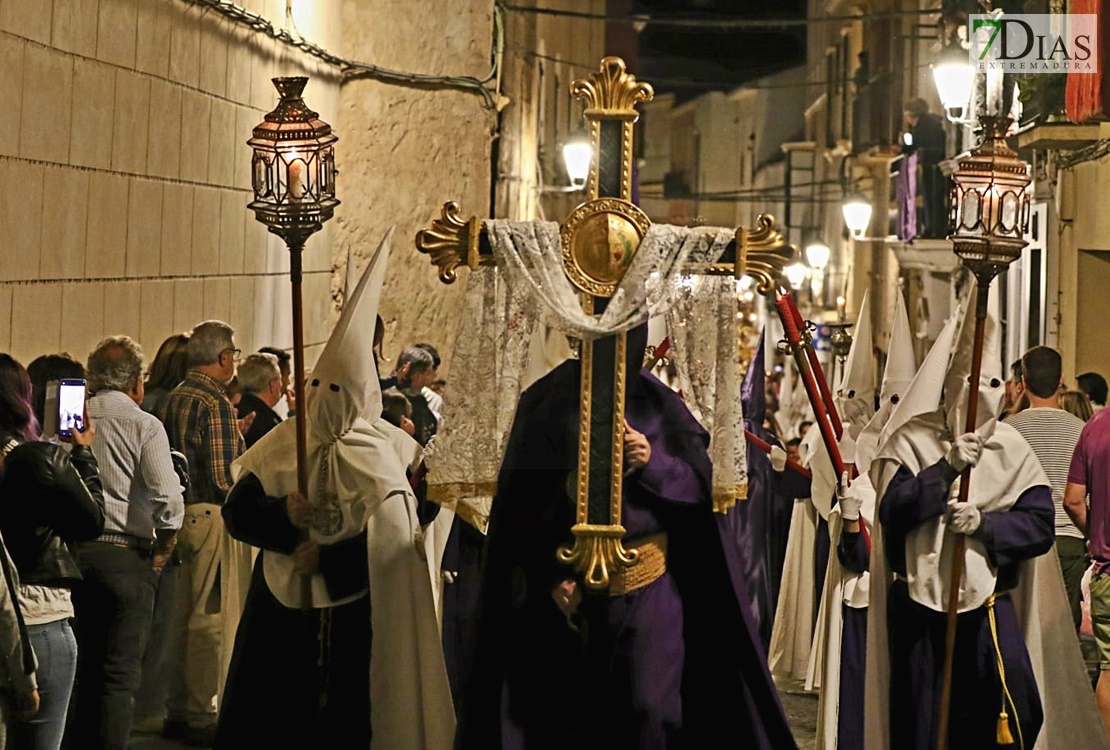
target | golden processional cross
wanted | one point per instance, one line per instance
(599, 239)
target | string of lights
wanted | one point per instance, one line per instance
(356, 69)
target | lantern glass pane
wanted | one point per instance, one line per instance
(258, 176)
(970, 214)
(1009, 211)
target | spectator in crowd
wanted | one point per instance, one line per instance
(415, 370)
(379, 356)
(262, 387)
(285, 364)
(1014, 389)
(1077, 403)
(143, 508)
(44, 369)
(49, 498)
(926, 138)
(434, 399)
(19, 695)
(397, 410)
(438, 387)
(1094, 385)
(793, 449)
(862, 75)
(1089, 476)
(1052, 434)
(201, 423)
(166, 371)
(234, 390)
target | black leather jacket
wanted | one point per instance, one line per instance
(49, 499)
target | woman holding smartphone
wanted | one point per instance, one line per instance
(48, 498)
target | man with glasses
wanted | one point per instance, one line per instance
(201, 423)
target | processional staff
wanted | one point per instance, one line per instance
(293, 176)
(989, 221)
(599, 239)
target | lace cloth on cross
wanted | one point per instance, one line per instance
(530, 254)
(503, 346)
(489, 370)
(704, 338)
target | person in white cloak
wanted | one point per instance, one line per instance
(808, 557)
(837, 660)
(352, 659)
(1011, 612)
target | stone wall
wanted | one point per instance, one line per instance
(405, 150)
(126, 174)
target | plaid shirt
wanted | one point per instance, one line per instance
(200, 422)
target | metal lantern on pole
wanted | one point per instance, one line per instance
(293, 175)
(990, 213)
(989, 217)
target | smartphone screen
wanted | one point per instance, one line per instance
(71, 406)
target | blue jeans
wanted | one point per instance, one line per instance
(56, 649)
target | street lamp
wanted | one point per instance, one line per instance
(293, 176)
(857, 215)
(817, 255)
(990, 213)
(955, 79)
(577, 155)
(796, 274)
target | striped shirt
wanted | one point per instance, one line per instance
(1052, 434)
(141, 489)
(200, 422)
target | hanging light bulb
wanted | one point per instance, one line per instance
(578, 153)
(857, 215)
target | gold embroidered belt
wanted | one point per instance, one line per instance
(651, 563)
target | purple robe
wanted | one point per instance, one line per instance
(854, 557)
(917, 633)
(760, 524)
(675, 663)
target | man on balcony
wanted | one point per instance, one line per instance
(927, 139)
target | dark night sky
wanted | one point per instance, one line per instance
(717, 58)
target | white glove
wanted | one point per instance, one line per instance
(778, 458)
(963, 518)
(848, 500)
(965, 451)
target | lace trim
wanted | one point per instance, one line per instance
(529, 254)
(709, 376)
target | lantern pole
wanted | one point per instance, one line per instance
(296, 250)
(293, 175)
(986, 244)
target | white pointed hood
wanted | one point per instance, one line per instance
(897, 376)
(991, 388)
(925, 390)
(344, 384)
(354, 456)
(855, 403)
(856, 399)
(900, 363)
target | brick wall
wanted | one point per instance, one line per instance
(125, 176)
